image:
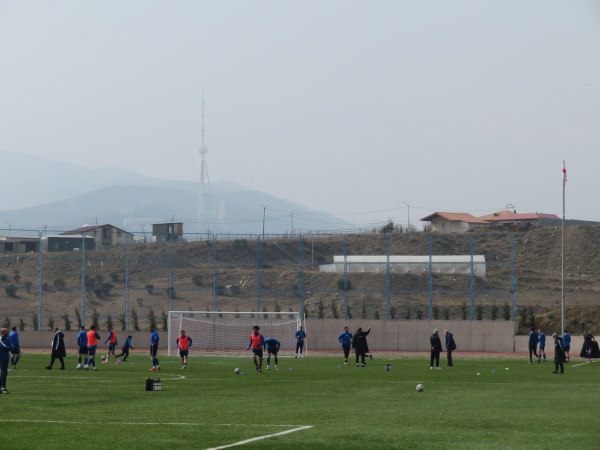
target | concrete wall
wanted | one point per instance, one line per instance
(395, 335)
(413, 335)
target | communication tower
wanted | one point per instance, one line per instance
(204, 180)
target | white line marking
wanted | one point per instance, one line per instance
(581, 364)
(70, 422)
(258, 438)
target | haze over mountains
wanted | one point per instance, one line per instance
(40, 193)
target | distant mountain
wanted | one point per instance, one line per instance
(63, 196)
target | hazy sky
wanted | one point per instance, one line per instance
(352, 107)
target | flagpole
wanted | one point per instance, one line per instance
(562, 288)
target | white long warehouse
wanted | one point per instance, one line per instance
(451, 264)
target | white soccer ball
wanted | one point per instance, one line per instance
(103, 357)
(237, 370)
(420, 388)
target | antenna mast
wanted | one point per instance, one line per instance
(203, 176)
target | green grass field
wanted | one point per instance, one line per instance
(308, 403)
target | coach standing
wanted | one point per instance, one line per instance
(450, 346)
(436, 349)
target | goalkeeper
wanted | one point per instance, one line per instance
(272, 347)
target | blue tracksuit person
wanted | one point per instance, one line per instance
(272, 348)
(533, 341)
(346, 340)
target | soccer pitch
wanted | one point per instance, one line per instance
(314, 402)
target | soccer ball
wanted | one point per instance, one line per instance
(420, 388)
(103, 358)
(237, 370)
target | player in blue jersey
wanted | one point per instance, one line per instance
(125, 349)
(533, 342)
(272, 347)
(542, 345)
(82, 345)
(567, 344)
(13, 337)
(5, 348)
(300, 337)
(346, 340)
(154, 339)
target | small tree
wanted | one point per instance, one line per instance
(506, 311)
(11, 291)
(334, 310)
(531, 317)
(446, 314)
(363, 312)
(95, 318)
(164, 318)
(463, 310)
(67, 322)
(306, 314)
(115, 276)
(149, 288)
(198, 280)
(277, 307)
(28, 286)
(419, 313)
(320, 310)
(21, 325)
(51, 323)
(494, 311)
(349, 312)
(134, 320)
(392, 312)
(479, 311)
(436, 312)
(6, 323)
(376, 314)
(407, 313)
(123, 321)
(171, 292)
(109, 321)
(151, 318)
(78, 318)
(265, 311)
(35, 321)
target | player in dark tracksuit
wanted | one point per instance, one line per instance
(533, 342)
(125, 349)
(272, 347)
(559, 354)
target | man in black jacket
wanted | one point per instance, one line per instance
(58, 349)
(436, 349)
(360, 346)
(450, 346)
(559, 354)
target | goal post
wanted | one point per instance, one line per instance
(223, 333)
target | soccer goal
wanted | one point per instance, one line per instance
(229, 332)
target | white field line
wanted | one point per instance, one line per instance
(581, 364)
(258, 438)
(170, 377)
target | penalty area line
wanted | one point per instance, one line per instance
(259, 438)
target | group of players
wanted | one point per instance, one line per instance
(259, 344)
(87, 342)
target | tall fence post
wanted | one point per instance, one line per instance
(258, 273)
(472, 276)
(83, 277)
(214, 274)
(40, 286)
(302, 267)
(126, 282)
(430, 251)
(387, 275)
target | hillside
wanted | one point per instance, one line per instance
(277, 273)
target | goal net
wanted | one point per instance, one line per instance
(229, 332)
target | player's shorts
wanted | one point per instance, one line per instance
(258, 352)
(111, 346)
(154, 350)
(16, 351)
(272, 352)
(92, 351)
(542, 348)
(567, 348)
(183, 353)
(83, 350)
